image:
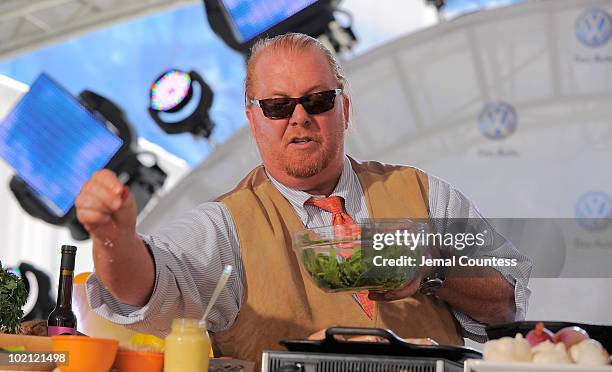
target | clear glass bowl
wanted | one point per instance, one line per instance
(344, 258)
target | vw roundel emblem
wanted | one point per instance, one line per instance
(594, 210)
(497, 120)
(594, 27)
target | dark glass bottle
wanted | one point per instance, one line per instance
(62, 320)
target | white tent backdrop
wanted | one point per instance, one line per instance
(431, 98)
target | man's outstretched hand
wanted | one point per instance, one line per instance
(106, 208)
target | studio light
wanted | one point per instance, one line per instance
(180, 101)
(240, 23)
(439, 4)
(55, 142)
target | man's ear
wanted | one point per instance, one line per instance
(346, 106)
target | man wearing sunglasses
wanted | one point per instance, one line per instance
(298, 110)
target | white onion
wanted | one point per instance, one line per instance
(508, 349)
(547, 352)
(589, 353)
(543, 347)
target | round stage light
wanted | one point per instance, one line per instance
(170, 90)
(179, 103)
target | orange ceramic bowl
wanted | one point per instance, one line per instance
(86, 353)
(137, 361)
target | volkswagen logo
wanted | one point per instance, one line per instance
(594, 210)
(497, 120)
(594, 27)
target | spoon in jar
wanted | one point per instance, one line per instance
(227, 270)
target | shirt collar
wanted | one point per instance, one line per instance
(297, 198)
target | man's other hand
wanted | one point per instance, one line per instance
(406, 291)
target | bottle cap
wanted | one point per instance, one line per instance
(70, 249)
(68, 256)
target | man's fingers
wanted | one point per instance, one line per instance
(97, 190)
(376, 296)
(109, 180)
(421, 341)
(367, 339)
(101, 203)
(396, 295)
(91, 218)
(319, 335)
(408, 290)
(106, 207)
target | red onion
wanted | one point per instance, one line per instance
(570, 336)
(539, 334)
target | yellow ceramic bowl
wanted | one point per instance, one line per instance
(86, 353)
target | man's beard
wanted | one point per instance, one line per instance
(308, 166)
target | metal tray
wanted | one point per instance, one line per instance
(395, 346)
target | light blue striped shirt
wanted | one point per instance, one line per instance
(190, 254)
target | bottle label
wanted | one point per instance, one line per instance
(56, 331)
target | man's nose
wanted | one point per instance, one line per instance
(299, 116)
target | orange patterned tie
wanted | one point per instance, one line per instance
(335, 206)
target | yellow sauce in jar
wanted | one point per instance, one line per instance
(187, 347)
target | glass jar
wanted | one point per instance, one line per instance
(187, 347)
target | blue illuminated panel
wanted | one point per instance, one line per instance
(252, 17)
(54, 144)
(455, 8)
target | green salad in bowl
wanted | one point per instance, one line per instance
(344, 258)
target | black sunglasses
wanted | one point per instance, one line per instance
(282, 108)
